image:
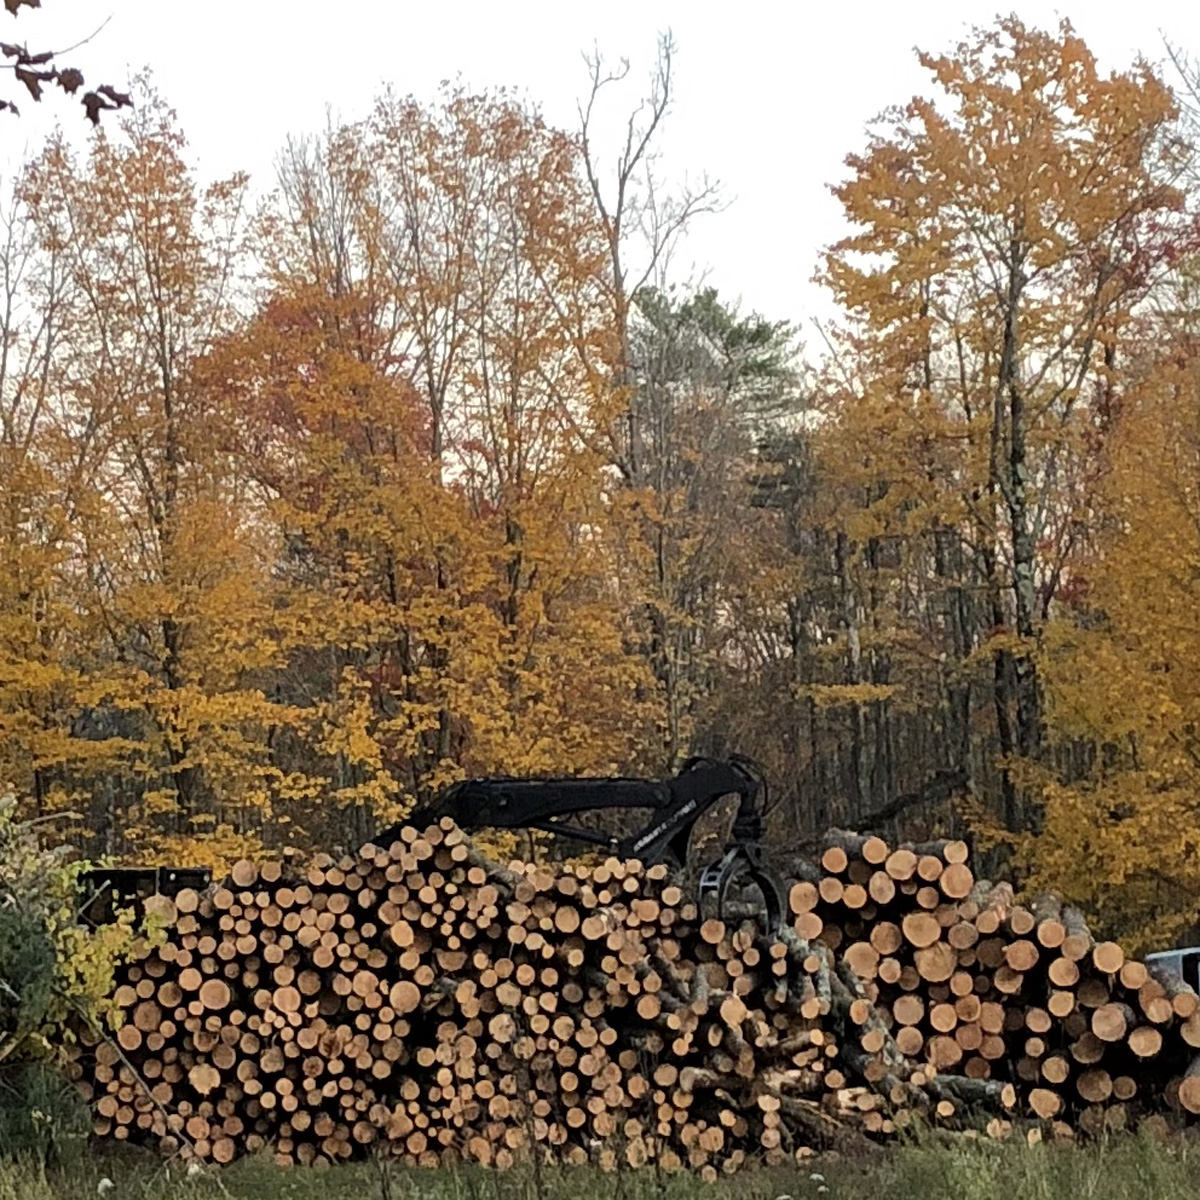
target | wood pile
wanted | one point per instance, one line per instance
(420, 1001)
(972, 983)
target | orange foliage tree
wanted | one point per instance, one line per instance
(424, 470)
(418, 416)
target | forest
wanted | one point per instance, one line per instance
(416, 463)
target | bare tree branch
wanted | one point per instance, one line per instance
(1189, 74)
(637, 206)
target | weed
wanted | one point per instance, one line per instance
(1123, 1169)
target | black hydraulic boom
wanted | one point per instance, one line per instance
(674, 807)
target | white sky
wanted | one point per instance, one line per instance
(770, 96)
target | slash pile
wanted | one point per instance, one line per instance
(423, 1002)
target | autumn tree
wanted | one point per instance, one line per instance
(422, 422)
(428, 469)
(37, 626)
(1122, 825)
(158, 571)
(1005, 233)
(286, 560)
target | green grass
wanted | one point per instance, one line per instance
(1126, 1169)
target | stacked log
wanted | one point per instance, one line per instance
(419, 1001)
(973, 983)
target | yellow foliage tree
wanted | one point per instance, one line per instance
(1005, 233)
(1122, 834)
(153, 593)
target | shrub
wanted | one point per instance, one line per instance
(55, 976)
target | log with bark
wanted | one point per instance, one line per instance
(421, 1001)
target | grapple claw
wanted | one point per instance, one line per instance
(741, 867)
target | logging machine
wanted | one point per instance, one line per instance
(675, 805)
(740, 875)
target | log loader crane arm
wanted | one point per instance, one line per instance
(675, 805)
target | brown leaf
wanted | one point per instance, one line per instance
(119, 99)
(14, 6)
(33, 80)
(104, 99)
(70, 80)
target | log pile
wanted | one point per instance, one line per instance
(972, 983)
(420, 1001)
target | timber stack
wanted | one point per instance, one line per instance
(423, 1002)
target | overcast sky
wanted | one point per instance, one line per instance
(770, 97)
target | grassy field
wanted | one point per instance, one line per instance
(1128, 1169)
